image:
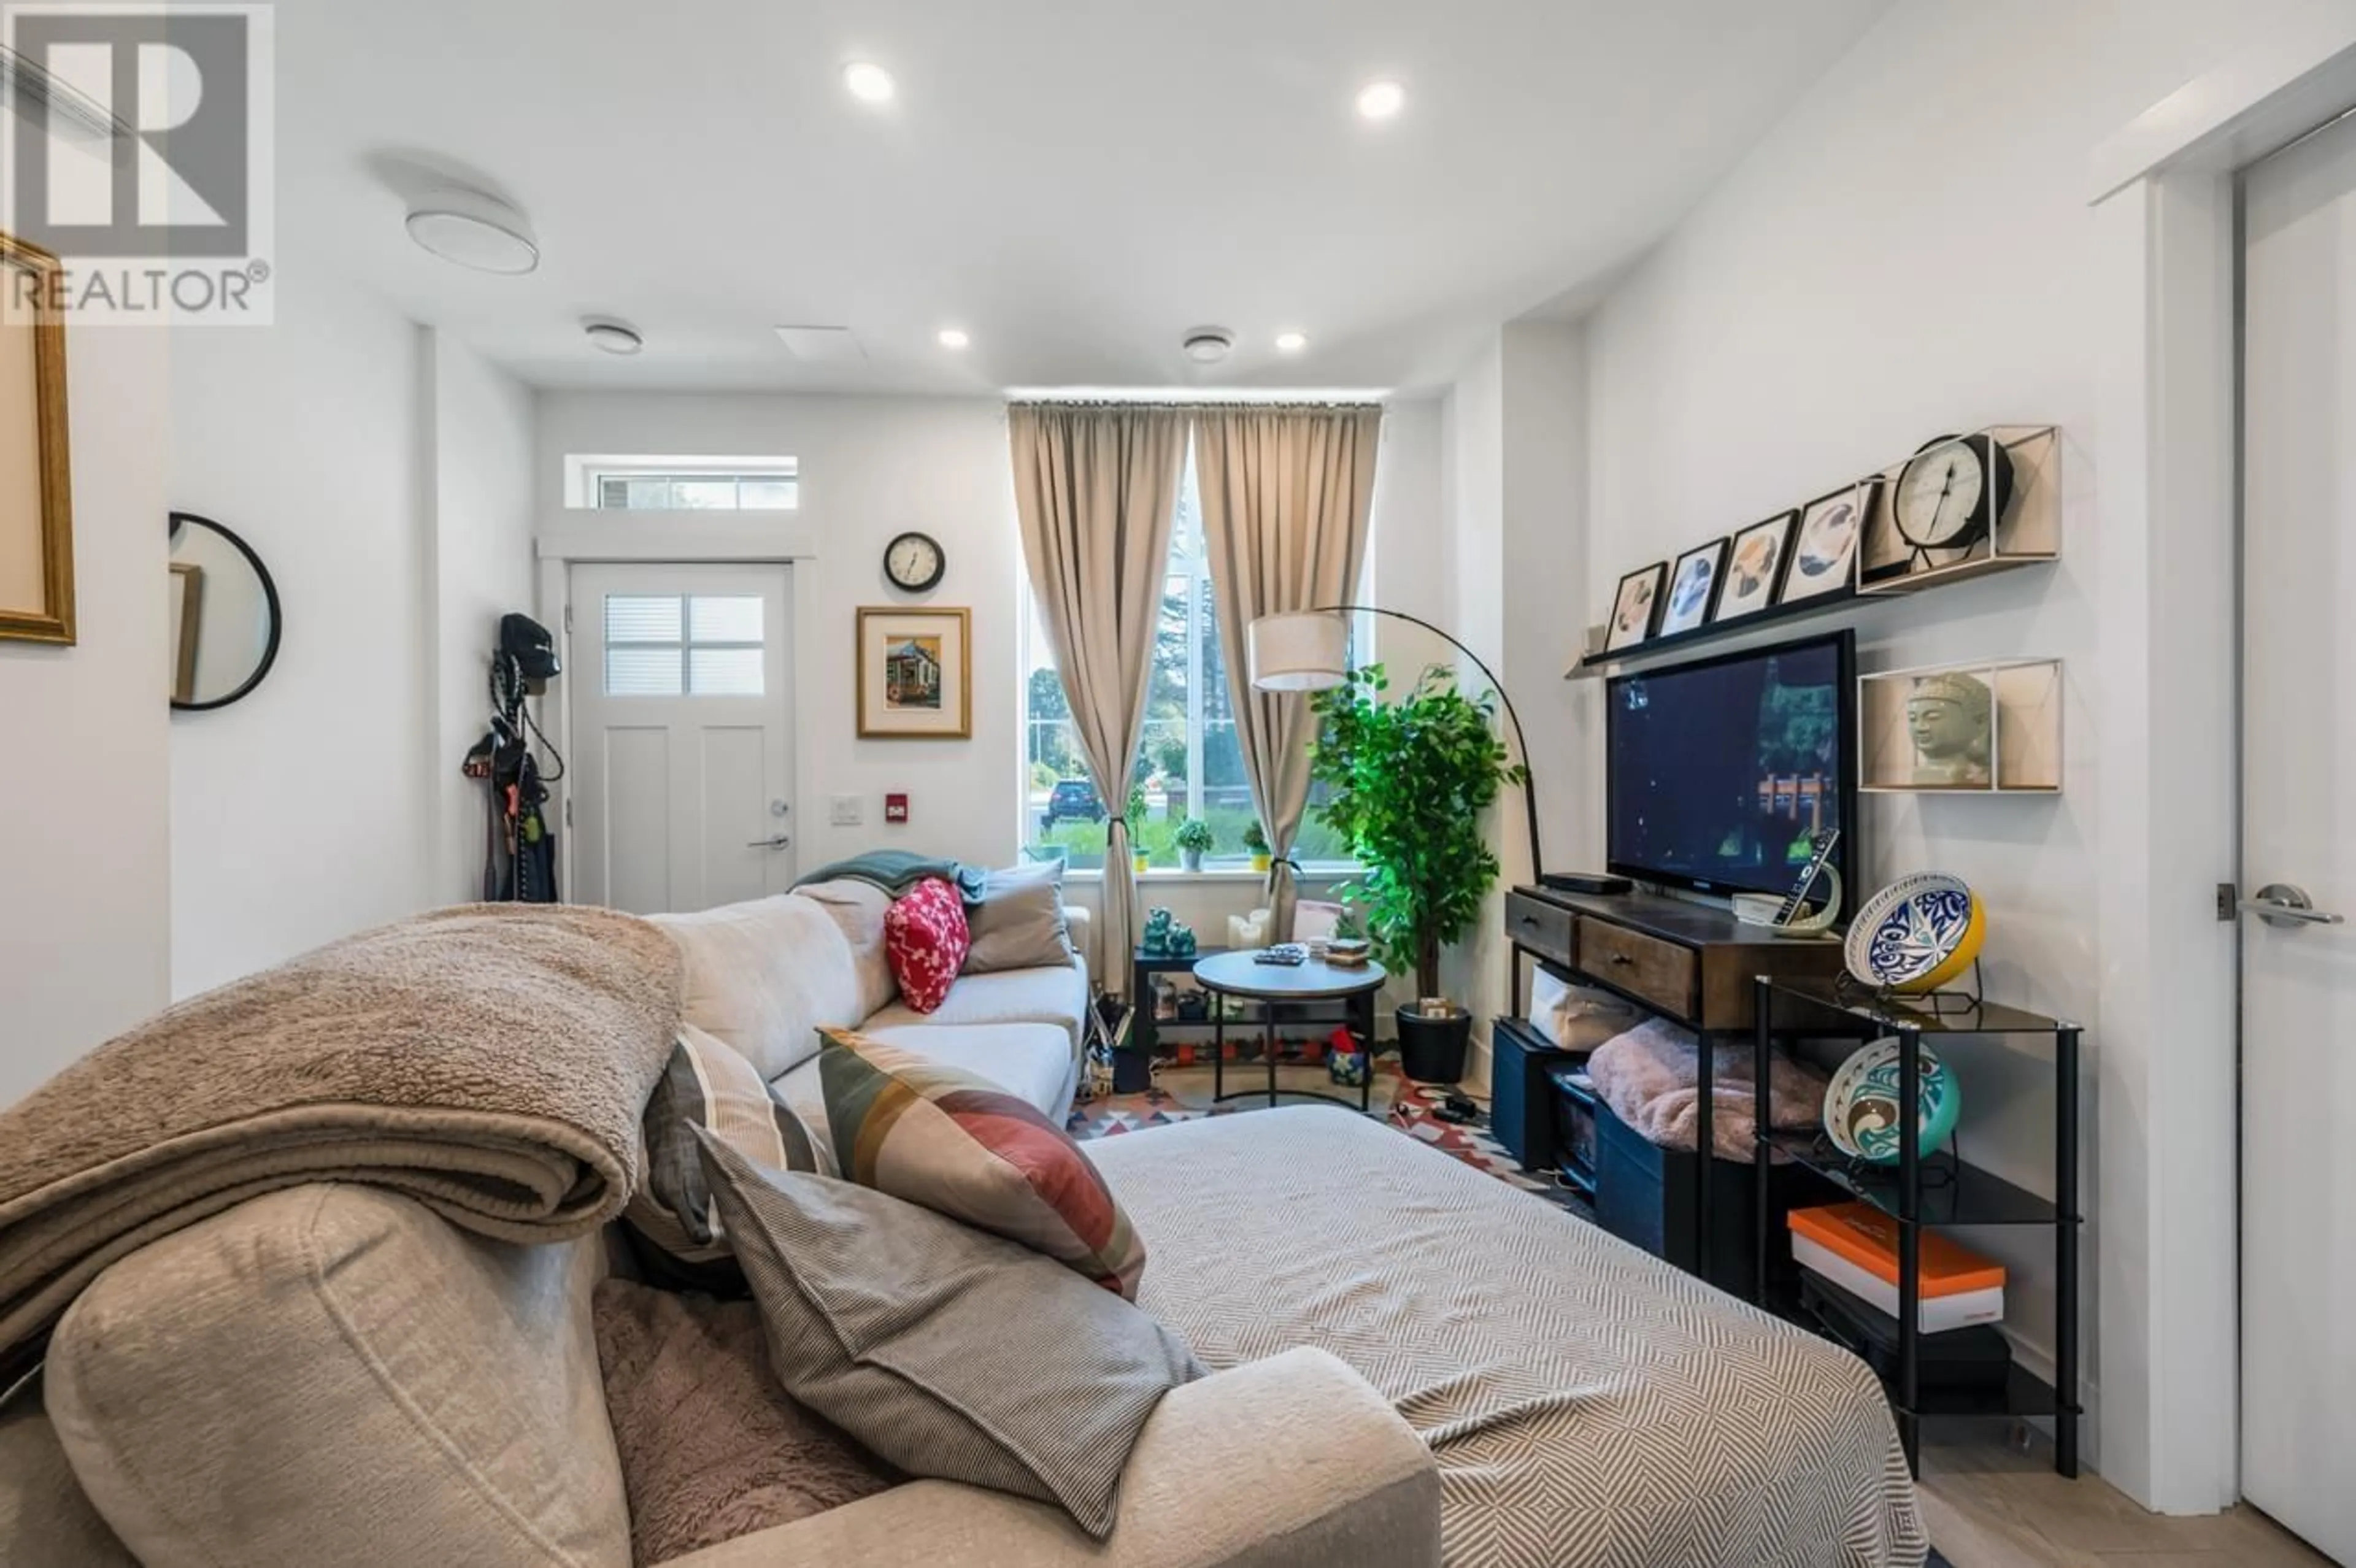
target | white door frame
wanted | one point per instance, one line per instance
(568, 537)
(2165, 1203)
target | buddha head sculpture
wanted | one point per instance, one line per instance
(1948, 717)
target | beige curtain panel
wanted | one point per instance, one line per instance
(1096, 488)
(1285, 495)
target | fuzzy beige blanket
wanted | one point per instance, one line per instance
(491, 1061)
(1647, 1077)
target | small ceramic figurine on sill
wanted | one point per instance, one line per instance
(1948, 718)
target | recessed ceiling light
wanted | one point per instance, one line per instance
(1381, 100)
(868, 82)
(1291, 342)
(953, 338)
(613, 337)
(474, 230)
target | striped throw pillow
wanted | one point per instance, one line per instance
(960, 1146)
(710, 1085)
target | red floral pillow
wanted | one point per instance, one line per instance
(926, 938)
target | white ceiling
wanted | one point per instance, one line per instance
(1073, 182)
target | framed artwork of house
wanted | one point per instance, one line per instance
(915, 674)
(36, 602)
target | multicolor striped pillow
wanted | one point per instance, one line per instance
(960, 1146)
(706, 1084)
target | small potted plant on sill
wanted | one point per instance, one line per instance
(1141, 861)
(1256, 842)
(1194, 842)
(1409, 782)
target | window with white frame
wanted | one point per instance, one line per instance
(1189, 763)
(686, 484)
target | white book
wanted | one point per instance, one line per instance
(1936, 1313)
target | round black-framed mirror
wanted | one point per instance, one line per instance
(226, 620)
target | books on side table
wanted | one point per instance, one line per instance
(1854, 1247)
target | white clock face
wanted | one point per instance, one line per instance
(1938, 494)
(913, 561)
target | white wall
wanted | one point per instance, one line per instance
(84, 852)
(1910, 253)
(480, 488)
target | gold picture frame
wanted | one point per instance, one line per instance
(36, 589)
(915, 674)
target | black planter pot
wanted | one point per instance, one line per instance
(1431, 1051)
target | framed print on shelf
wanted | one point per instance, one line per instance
(36, 591)
(916, 675)
(1692, 587)
(1637, 608)
(1754, 568)
(1823, 557)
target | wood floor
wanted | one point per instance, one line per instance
(1990, 1506)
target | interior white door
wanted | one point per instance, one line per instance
(2299, 832)
(682, 735)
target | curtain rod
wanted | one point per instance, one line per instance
(1201, 405)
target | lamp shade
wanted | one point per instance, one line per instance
(1306, 650)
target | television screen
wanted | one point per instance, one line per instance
(1722, 774)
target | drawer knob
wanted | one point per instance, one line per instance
(1620, 958)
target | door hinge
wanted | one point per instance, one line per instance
(2229, 898)
(568, 620)
(568, 811)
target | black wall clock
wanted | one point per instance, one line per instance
(914, 562)
(1953, 492)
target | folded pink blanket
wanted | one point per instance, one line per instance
(1647, 1076)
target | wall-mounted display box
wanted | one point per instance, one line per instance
(1993, 727)
(1964, 505)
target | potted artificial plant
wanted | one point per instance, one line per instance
(1194, 842)
(1256, 842)
(1408, 782)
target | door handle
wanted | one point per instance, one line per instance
(2281, 904)
(779, 842)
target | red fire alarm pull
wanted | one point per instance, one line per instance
(896, 808)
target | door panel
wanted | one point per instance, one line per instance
(682, 719)
(2298, 803)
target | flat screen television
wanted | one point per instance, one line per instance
(1720, 774)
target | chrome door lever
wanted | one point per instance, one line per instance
(2280, 904)
(779, 842)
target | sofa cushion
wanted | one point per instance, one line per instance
(859, 909)
(1057, 997)
(332, 1373)
(1031, 1061)
(925, 935)
(935, 1135)
(1019, 924)
(949, 1353)
(711, 1448)
(705, 1085)
(45, 1516)
(766, 977)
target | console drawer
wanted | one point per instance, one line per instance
(1660, 973)
(1543, 928)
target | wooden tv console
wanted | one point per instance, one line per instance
(1686, 962)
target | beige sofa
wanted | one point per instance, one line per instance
(334, 1375)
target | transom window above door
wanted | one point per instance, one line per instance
(684, 483)
(683, 644)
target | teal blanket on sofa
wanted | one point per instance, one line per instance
(898, 870)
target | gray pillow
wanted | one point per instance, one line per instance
(947, 1351)
(1019, 924)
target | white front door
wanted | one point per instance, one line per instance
(2299, 831)
(682, 735)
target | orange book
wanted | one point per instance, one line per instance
(1866, 1237)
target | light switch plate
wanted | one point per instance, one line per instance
(846, 810)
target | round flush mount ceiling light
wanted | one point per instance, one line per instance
(613, 337)
(868, 82)
(1381, 100)
(1208, 345)
(1291, 342)
(474, 230)
(953, 338)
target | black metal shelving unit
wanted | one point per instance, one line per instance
(1932, 1191)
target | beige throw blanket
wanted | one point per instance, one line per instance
(491, 1061)
(1649, 1078)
